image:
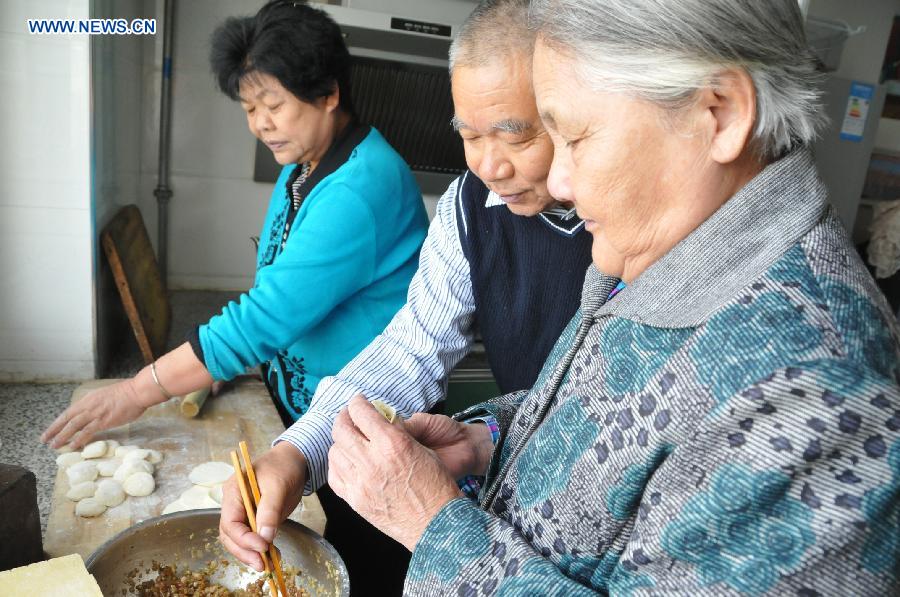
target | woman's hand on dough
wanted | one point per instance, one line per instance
(106, 407)
(281, 474)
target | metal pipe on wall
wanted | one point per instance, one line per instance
(162, 192)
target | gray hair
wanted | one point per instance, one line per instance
(665, 50)
(493, 30)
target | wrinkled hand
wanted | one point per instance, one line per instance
(464, 449)
(391, 480)
(106, 407)
(281, 474)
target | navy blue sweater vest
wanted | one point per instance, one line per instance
(527, 274)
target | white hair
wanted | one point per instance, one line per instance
(665, 50)
(493, 30)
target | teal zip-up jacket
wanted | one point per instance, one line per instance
(341, 276)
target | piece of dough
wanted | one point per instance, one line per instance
(211, 473)
(107, 466)
(139, 484)
(68, 459)
(94, 450)
(110, 493)
(81, 490)
(176, 506)
(81, 472)
(122, 450)
(111, 446)
(197, 497)
(89, 507)
(216, 494)
(139, 454)
(387, 411)
(130, 467)
(155, 457)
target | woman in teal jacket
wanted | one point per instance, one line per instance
(340, 241)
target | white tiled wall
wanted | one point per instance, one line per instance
(46, 328)
(216, 206)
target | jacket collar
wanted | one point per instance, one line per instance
(733, 247)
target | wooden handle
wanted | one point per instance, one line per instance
(193, 402)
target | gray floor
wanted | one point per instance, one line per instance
(27, 409)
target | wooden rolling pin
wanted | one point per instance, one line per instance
(193, 402)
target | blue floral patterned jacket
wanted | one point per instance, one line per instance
(727, 424)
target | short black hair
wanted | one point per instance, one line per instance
(299, 45)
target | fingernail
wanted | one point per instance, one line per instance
(267, 533)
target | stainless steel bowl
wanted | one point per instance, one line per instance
(189, 540)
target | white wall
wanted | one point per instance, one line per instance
(864, 53)
(216, 206)
(46, 329)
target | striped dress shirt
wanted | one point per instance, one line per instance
(408, 364)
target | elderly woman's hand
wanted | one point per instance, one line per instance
(392, 481)
(465, 449)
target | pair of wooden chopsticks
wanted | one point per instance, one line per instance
(251, 502)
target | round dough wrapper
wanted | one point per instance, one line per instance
(94, 450)
(139, 484)
(197, 497)
(111, 446)
(89, 507)
(155, 457)
(139, 454)
(81, 472)
(82, 490)
(216, 494)
(130, 467)
(66, 460)
(110, 493)
(176, 506)
(107, 466)
(211, 473)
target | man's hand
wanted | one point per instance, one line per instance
(281, 474)
(465, 449)
(391, 480)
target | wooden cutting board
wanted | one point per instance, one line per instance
(243, 412)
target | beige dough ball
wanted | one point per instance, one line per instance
(111, 446)
(129, 467)
(110, 493)
(139, 484)
(81, 490)
(66, 460)
(139, 454)
(107, 466)
(94, 450)
(122, 450)
(155, 457)
(81, 472)
(89, 507)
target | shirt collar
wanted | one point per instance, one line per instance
(733, 247)
(558, 218)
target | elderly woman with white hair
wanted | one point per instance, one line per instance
(729, 422)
